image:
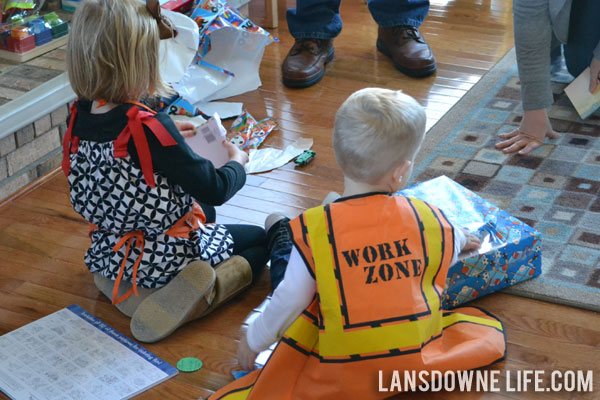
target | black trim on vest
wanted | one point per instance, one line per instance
(425, 254)
(443, 233)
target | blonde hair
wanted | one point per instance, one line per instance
(112, 52)
(375, 130)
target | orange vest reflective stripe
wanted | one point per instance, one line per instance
(380, 264)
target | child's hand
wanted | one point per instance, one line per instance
(235, 154)
(186, 129)
(473, 242)
(246, 356)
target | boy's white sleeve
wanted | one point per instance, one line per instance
(460, 240)
(295, 292)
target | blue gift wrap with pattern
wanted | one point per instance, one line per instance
(510, 250)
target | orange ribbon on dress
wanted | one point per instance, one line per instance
(192, 220)
(138, 237)
(135, 129)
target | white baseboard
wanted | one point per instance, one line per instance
(34, 104)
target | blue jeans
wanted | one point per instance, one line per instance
(280, 255)
(584, 35)
(279, 244)
(320, 19)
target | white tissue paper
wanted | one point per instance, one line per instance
(200, 82)
(266, 159)
(176, 54)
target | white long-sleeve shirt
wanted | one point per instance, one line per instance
(295, 292)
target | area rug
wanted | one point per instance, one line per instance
(555, 189)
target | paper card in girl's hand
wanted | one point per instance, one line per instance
(207, 142)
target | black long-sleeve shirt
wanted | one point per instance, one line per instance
(179, 164)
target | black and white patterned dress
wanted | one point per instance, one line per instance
(111, 193)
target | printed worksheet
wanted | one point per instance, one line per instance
(71, 354)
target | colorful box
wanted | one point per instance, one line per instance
(177, 105)
(41, 30)
(510, 251)
(181, 6)
(70, 5)
(20, 45)
(26, 38)
(59, 27)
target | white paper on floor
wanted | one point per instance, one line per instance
(266, 159)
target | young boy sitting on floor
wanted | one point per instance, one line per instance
(361, 292)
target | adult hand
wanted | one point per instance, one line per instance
(235, 154)
(535, 127)
(186, 129)
(594, 74)
(246, 356)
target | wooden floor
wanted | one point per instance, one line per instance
(42, 241)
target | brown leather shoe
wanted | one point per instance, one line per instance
(305, 63)
(408, 50)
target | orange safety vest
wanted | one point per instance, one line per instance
(380, 264)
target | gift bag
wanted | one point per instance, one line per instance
(177, 53)
(229, 54)
(510, 250)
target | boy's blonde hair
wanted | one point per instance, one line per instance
(376, 130)
(112, 52)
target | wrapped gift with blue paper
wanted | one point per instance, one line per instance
(42, 31)
(510, 251)
(177, 105)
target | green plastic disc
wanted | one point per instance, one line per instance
(189, 364)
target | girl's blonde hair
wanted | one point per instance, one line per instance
(375, 130)
(112, 52)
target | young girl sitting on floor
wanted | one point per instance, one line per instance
(133, 177)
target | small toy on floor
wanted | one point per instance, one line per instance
(305, 157)
(189, 364)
